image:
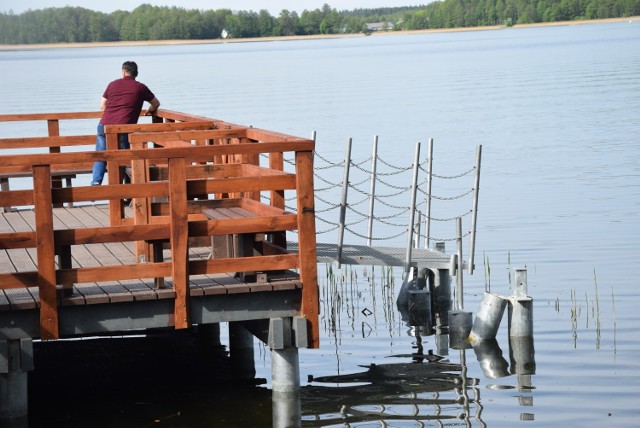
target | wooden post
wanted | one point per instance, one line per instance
(45, 252)
(53, 129)
(179, 240)
(276, 161)
(115, 205)
(307, 244)
(64, 262)
(141, 206)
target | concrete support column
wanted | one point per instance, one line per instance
(209, 337)
(241, 352)
(285, 385)
(286, 410)
(285, 371)
(16, 358)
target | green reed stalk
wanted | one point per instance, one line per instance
(595, 281)
(613, 305)
(574, 317)
(487, 274)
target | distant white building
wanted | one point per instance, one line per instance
(380, 26)
(224, 34)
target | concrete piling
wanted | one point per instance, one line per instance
(285, 370)
(286, 409)
(209, 337)
(16, 358)
(241, 352)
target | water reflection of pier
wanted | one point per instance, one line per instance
(419, 391)
(429, 387)
(402, 391)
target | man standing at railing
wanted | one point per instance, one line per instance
(121, 104)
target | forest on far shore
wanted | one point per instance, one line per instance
(146, 22)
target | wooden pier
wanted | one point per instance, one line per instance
(194, 244)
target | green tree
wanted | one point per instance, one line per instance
(266, 23)
(287, 24)
(76, 24)
(310, 22)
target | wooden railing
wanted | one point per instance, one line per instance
(182, 172)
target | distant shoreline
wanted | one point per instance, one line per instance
(312, 37)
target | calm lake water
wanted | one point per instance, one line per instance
(556, 112)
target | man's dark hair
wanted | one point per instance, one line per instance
(131, 68)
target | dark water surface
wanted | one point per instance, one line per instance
(556, 111)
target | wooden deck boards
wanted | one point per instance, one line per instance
(112, 254)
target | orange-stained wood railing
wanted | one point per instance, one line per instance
(189, 164)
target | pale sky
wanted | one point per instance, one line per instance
(273, 6)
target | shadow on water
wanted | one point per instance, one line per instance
(169, 379)
(164, 380)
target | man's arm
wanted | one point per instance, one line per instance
(103, 104)
(155, 103)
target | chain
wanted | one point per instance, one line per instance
(384, 238)
(448, 177)
(451, 218)
(443, 198)
(432, 238)
(384, 199)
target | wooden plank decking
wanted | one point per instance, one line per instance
(112, 254)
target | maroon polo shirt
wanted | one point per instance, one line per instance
(124, 101)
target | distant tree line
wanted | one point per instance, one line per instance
(77, 24)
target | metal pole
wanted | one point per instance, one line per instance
(459, 285)
(372, 189)
(416, 241)
(427, 214)
(474, 209)
(521, 288)
(343, 202)
(412, 207)
(488, 318)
